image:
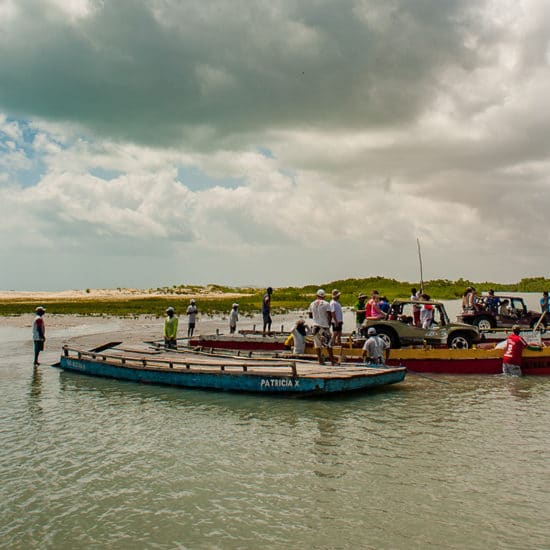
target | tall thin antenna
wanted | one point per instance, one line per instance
(420, 261)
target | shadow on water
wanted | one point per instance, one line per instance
(271, 406)
(35, 393)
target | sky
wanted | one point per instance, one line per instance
(146, 143)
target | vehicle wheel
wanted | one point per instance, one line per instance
(459, 340)
(483, 323)
(389, 336)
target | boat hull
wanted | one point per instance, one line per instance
(434, 360)
(240, 342)
(263, 382)
(458, 361)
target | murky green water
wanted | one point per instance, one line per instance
(461, 462)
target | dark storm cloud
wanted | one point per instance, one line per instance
(159, 71)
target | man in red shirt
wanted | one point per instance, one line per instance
(511, 360)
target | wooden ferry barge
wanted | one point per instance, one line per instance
(195, 370)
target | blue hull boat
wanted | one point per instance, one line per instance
(193, 370)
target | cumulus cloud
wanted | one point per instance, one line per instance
(326, 137)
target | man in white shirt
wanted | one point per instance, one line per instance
(319, 311)
(192, 311)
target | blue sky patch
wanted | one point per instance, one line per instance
(105, 174)
(196, 180)
(36, 167)
(267, 153)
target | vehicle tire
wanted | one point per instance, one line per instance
(484, 323)
(389, 336)
(459, 340)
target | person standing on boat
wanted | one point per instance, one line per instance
(192, 311)
(426, 313)
(374, 347)
(319, 311)
(233, 318)
(469, 299)
(416, 308)
(492, 302)
(545, 303)
(360, 312)
(170, 329)
(38, 333)
(337, 320)
(512, 358)
(266, 310)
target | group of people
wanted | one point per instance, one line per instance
(329, 315)
(472, 302)
(377, 307)
(328, 320)
(171, 324)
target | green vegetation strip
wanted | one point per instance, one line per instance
(284, 299)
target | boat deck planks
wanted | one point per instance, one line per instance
(168, 360)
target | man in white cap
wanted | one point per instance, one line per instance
(319, 311)
(233, 318)
(170, 329)
(192, 311)
(337, 320)
(38, 333)
(374, 347)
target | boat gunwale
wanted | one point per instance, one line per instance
(260, 369)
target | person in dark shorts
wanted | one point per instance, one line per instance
(337, 321)
(266, 310)
(170, 329)
(192, 311)
(38, 333)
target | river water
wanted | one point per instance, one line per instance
(440, 462)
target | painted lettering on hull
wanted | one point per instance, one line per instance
(278, 383)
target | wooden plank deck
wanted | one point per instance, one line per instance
(147, 359)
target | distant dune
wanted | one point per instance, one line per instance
(111, 294)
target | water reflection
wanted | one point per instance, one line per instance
(519, 387)
(285, 410)
(35, 391)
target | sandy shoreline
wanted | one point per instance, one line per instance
(111, 294)
(90, 331)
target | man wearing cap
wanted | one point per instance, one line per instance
(266, 310)
(192, 311)
(337, 319)
(233, 318)
(170, 329)
(38, 333)
(374, 347)
(511, 360)
(319, 311)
